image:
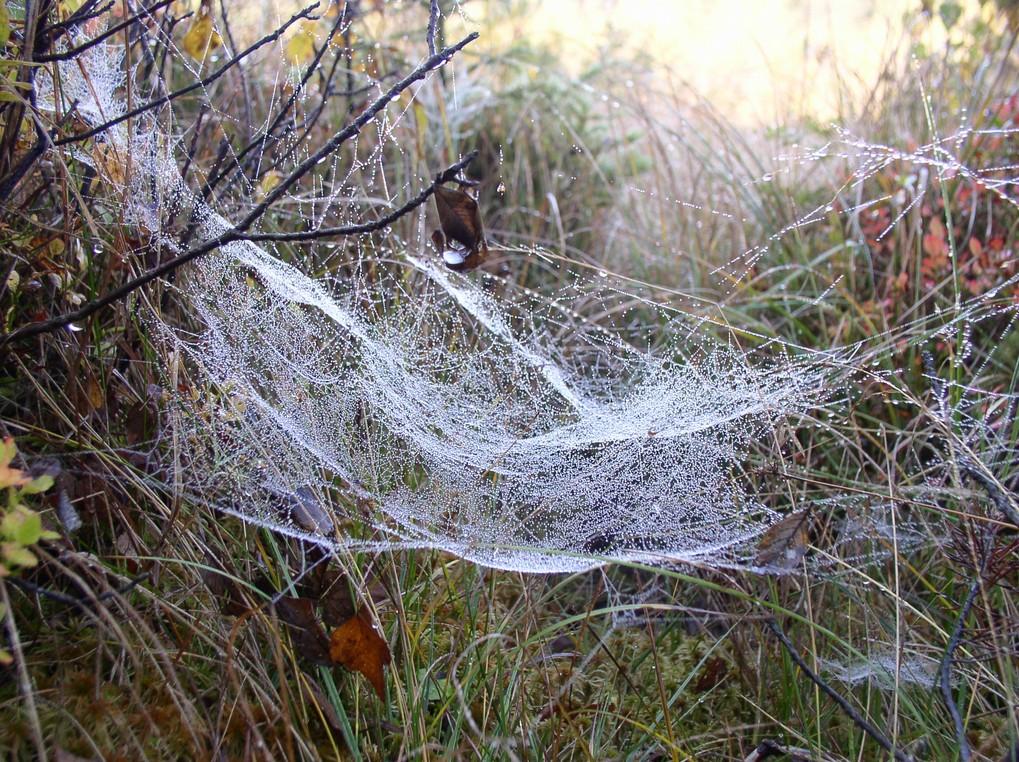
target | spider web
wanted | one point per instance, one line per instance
(368, 398)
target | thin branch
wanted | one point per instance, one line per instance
(66, 55)
(163, 100)
(85, 604)
(945, 671)
(446, 176)
(998, 496)
(352, 129)
(859, 720)
(267, 136)
(85, 13)
(433, 23)
(237, 232)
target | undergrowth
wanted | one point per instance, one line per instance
(142, 632)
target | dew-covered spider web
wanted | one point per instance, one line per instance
(358, 395)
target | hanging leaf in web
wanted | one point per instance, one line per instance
(201, 38)
(785, 543)
(358, 646)
(462, 238)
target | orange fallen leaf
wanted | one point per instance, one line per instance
(358, 646)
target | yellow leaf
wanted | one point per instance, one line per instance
(201, 38)
(269, 181)
(10, 477)
(300, 48)
(15, 555)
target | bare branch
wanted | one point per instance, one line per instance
(433, 23)
(66, 55)
(447, 175)
(859, 720)
(162, 101)
(237, 232)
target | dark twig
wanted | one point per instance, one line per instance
(84, 604)
(163, 100)
(859, 720)
(355, 127)
(433, 23)
(85, 13)
(267, 136)
(945, 671)
(447, 175)
(998, 497)
(237, 232)
(70, 53)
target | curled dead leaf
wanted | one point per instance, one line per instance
(308, 636)
(358, 646)
(461, 239)
(785, 543)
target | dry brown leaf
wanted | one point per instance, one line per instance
(784, 544)
(335, 601)
(358, 646)
(309, 639)
(462, 238)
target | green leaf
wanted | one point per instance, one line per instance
(5, 24)
(16, 555)
(37, 485)
(22, 527)
(11, 523)
(30, 530)
(950, 13)
(7, 451)
(5, 658)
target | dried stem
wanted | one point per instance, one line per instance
(945, 671)
(859, 720)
